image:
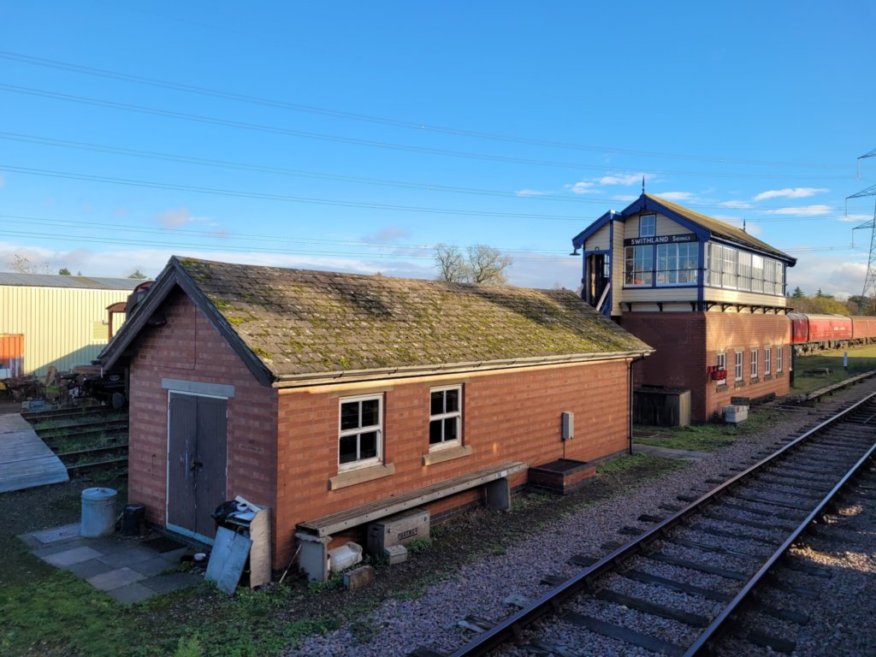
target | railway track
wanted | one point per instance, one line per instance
(678, 588)
(84, 440)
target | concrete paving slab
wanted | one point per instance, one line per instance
(90, 568)
(152, 567)
(172, 582)
(71, 556)
(56, 534)
(115, 579)
(127, 556)
(131, 593)
(55, 548)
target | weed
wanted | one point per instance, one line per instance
(418, 545)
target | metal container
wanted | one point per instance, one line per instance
(133, 517)
(98, 512)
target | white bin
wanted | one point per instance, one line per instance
(98, 512)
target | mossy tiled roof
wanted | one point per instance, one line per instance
(300, 322)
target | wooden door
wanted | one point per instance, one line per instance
(196, 463)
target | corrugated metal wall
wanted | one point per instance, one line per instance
(63, 327)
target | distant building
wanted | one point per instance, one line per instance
(59, 321)
(334, 398)
(709, 297)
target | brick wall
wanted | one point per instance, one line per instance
(507, 416)
(687, 343)
(188, 347)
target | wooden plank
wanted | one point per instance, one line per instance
(623, 634)
(332, 523)
(260, 553)
(25, 460)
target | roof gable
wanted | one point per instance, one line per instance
(299, 323)
(706, 228)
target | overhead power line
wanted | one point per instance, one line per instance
(279, 197)
(379, 120)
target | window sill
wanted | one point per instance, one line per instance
(447, 454)
(360, 476)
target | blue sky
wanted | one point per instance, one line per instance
(356, 136)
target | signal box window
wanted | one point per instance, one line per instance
(738, 366)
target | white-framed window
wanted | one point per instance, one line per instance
(767, 360)
(360, 431)
(738, 366)
(753, 364)
(756, 273)
(445, 417)
(779, 355)
(638, 265)
(721, 365)
(743, 278)
(728, 267)
(677, 263)
(648, 225)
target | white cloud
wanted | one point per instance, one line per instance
(832, 275)
(804, 210)
(625, 178)
(855, 218)
(676, 196)
(790, 192)
(582, 187)
(735, 205)
(524, 193)
(174, 218)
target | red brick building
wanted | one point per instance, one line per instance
(317, 393)
(709, 297)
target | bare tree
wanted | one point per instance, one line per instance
(481, 264)
(22, 264)
(451, 264)
(487, 265)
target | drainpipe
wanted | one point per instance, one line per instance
(630, 396)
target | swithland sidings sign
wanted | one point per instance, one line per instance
(662, 239)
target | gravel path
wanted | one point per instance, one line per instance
(479, 588)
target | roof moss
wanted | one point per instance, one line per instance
(310, 322)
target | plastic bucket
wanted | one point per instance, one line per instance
(98, 512)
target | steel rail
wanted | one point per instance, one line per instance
(550, 601)
(717, 626)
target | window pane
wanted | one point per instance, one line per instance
(349, 415)
(452, 397)
(437, 406)
(450, 432)
(368, 445)
(434, 432)
(347, 452)
(370, 412)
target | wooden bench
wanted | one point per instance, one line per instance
(314, 535)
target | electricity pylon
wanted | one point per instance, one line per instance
(870, 278)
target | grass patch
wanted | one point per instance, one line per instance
(706, 437)
(639, 466)
(861, 359)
